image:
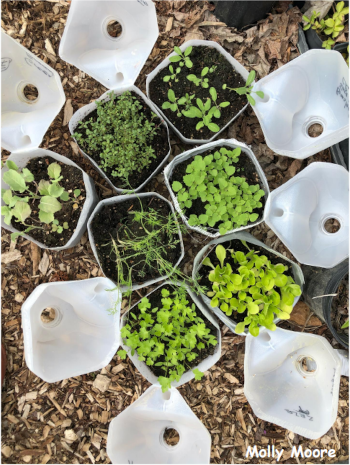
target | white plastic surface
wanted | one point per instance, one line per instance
(136, 434)
(298, 210)
(21, 159)
(115, 62)
(24, 122)
(210, 232)
(280, 391)
(87, 109)
(83, 337)
(123, 198)
(188, 375)
(243, 236)
(344, 357)
(235, 65)
(312, 88)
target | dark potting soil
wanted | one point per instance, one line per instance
(72, 179)
(201, 57)
(160, 145)
(340, 307)
(155, 300)
(246, 169)
(112, 223)
(237, 246)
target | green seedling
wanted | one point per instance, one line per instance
(182, 58)
(345, 325)
(251, 285)
(173, 102)
(173, 74)
(247, 89)
(170, 337)
(202, 81)
(205, 112)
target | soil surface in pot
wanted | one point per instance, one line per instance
(245, 168)
(115, 223)
(72, 179)
(155, 300)
(160, 145)
(201, 57)
(340, 307)
(237, 246)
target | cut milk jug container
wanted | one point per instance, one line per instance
(113, 61)
(311, 89)
(71, 328)
(300, 211)
(137, 434)
(292, 379)
(24, 122)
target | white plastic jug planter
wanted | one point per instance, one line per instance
(292, 379)
(217, 82)
(226, 241)
(137, 434)
(299, 210)
(85, 111)
(134, 200)
(204, 365)
(21, 159)
(206, 150)
(311, 89)
(82, 336)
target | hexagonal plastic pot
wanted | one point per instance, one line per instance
(21, 159)
(124, 198)
(210, 232)
(235, 65)
(188, 375)
(83, 336)
(243, 236)
(87, 109)
(137, 434)
(292, 379)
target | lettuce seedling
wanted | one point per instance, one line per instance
(182, 58)
(252, 285)
(247, 89)
(229, 200)
(169, 337)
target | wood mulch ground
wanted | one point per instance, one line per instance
(67, 422)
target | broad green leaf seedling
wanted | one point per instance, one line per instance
(182, 58)
(247, 89)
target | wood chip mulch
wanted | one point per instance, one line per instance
(67, 422)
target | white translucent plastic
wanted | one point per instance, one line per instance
(235, 65)
(298, 210)
(83, 337)
(281, 389)
(24, 122)
(21, 159)
(233, 143)
(294, 269)
(137, 434)
(312, 88)
(188, 375)
(87, 109)
(115, 62)
(124, 198)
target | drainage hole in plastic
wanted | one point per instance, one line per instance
(265, 337)
(114, 29)
(31, 93)
(48, 315)
(315, 130)
(308, 365)
(171, 437)
(331, 225)
(119, 78)
(278, 212)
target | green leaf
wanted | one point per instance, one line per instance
(240, 327)
(54, 170)
(213, 127)
(55, 190)
(176, 186)
(166, 105)
(250, 78)
(224, 104)
(174, 59)
(28, 176)
(16, 234)
(164, 382)
(260, 94)
(45, 217)
(198, 375)
(250, 99)
(122, 354)
(11, 165)
(193, 112)
(49, 204)
(220, 252)
(7, 213)
(77, 192)
(171, 95)
(15, 181)
(207, 104)
(199, 125)
(345, 325)
(213, 93)
(177, 50)
(188, 51)
(64, 196)
(166, 78)
(21, 211)
(254, 329)
(253, 217)
(7, 196)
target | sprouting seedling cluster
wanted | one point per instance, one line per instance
(229, 200)
(170, 338)
(23, 191)
(247, 89)
(256, 288)
(206, 110)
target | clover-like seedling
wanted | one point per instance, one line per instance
(251, 285)
(172, 104)
(173, 74)
(247, 89)
(182, 58)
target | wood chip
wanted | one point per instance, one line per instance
(68, 112)
(49, 47)
(44, 263)
(102, 383)
(9, 257)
